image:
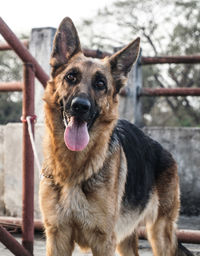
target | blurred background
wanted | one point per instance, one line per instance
(165, 27)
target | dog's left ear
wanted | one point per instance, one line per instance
(66, 44)
(122, 61)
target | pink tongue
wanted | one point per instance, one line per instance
(76, 135)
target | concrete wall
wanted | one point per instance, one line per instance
(40, 46)
(183, 143)
(12, 169)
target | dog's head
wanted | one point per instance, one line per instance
(84, 88)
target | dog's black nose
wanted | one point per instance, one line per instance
(80, 105)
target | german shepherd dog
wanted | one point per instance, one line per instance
(102, 177)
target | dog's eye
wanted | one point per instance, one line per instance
(99, 82)
(100, 85)
(71, 77)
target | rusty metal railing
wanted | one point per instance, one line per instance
(31, 70)
(28, 159)
(169, 92)
(11, 86)
(12, 244)
(22, 51)
(7, 47)
(185, 236)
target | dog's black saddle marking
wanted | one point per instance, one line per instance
(146, 160)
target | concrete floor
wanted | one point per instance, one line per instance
(144, 247)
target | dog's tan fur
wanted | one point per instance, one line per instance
(81, 192)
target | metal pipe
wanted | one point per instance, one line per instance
(7, 47)
(170, 92)
(12, 244)
(192, 59)
(183, 235)
(11, 87)
(28, 160)
(170, 59)
(188, 236)
(16, 223)
(125, 92)
(95, 53)
(22, 52)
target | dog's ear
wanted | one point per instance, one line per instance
(122, 61)
(66, 44)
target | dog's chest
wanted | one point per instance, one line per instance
(74, 207)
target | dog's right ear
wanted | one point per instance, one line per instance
(122, 61)
(66, 44)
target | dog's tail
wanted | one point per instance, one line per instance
(182, 251)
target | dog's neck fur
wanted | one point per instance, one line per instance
(74, 167)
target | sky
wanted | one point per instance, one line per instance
(22, 15)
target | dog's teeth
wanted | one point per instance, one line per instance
(65, 123)
(64, 118)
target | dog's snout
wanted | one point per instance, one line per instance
(80, 105)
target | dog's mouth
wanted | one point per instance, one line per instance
(79, 115)
(76, 135)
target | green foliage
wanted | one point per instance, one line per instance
(10, 103)
(10, 66)
(10, 111)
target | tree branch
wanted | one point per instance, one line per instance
(149, 40)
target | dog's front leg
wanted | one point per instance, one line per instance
(105, 246)
(59, 242)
